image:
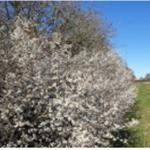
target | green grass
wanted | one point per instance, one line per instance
(143, 114)
(139, 135)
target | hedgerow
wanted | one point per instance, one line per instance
(50, 98)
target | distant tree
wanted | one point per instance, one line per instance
(141, 78)
(147, 76)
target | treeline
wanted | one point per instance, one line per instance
(61, 83)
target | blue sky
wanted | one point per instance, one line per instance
(131, 23)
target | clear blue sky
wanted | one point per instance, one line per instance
(131, 22)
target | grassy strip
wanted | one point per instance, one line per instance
(144, 113)
(140, 135)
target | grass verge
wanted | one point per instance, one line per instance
(139, 135)
(144, 113)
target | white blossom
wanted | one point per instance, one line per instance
(54, 100)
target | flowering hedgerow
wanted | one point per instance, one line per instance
(51, 99)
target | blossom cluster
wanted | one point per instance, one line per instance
(51, 99)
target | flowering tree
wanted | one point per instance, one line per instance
(52, 99)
